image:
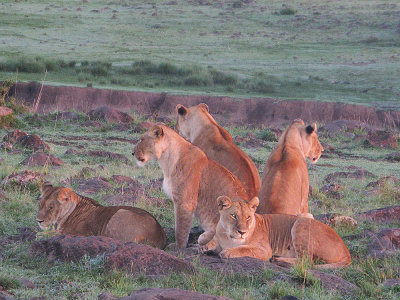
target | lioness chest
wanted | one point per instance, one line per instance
(167, 187)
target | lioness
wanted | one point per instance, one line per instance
(242, 232)
(196, 124)
(191, 180)
(71, 213)
(285, 186)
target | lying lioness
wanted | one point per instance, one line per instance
(197, 124)
(191, 180)
(70, 213)
(285, 184)
(242, 232)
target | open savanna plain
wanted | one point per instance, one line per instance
(345, 51)
(77, 142)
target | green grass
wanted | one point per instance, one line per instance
(343, 51)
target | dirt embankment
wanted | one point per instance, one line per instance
(254, 111)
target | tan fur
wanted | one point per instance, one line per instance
(71, 213)
(196, 124)
(285, 184)
(191, 179)
(242, 232)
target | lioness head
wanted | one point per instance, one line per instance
(187, 117)
(311, 145)
(237, 217)
(150, 145)
(56, 204)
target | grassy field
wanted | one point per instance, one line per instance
(324, 50)
(88, 278)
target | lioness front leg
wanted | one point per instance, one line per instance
(183, 223)
(251, 251)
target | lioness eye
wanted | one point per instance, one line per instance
(234, 216)
(248, 218)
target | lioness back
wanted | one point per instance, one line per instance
(285, 183)
(122, 219)
(71, 213)
(196, 124)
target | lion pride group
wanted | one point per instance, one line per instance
(206, 175)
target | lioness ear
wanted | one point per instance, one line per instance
(158, 131)
(46, 186)
(203, 105)
(253, 203)
(65, 195)
(181, 110)
(311, 128)
(224, 202)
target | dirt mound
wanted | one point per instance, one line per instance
(12, 137)
(109, 115)
(32, 142)
(256, 111)
(41, 159)
(171, 294)
(132, 257)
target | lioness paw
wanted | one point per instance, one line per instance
(209, 247)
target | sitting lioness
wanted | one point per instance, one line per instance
(196, 124)
(242, 232)
(191, 180)
(285, 185)
(70, 213)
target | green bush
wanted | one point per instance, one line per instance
(287, 11)
(262, 87)
(197, 81)
(267, 135)
(9, 283)
(222, 78)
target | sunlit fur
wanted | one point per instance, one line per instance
(242, 232)
(199, 127)
(191, 179)
(62, 209)
(285, 183)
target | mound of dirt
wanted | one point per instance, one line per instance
(41, 159)
(261, 112)
(171, 294)
(109, 115)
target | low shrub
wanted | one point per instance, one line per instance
(287, 11)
